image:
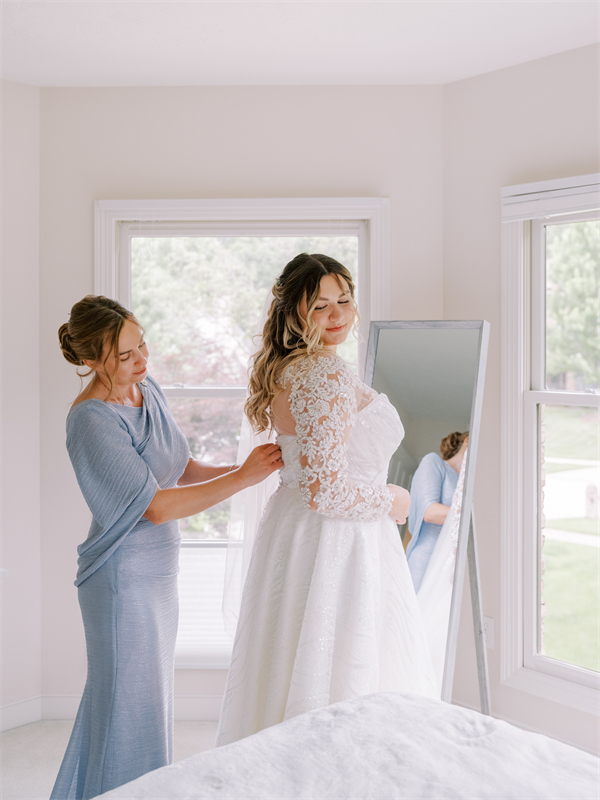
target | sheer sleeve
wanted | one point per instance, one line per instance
(324, 407)
(116, 482)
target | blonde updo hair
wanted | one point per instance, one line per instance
(451, 444)
(93, 322)
(286, 336)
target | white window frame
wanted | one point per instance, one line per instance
(524, 208)
(117, 221)
(267, 215)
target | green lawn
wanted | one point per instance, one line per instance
(560, 467)
(571, 432)
(591, 526)
(571, 593)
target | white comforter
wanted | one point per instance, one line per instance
(380, 747)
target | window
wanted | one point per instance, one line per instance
(198, 285)
(550, 458)
(561, 416)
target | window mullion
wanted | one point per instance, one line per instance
(538, 306)
(564, 398)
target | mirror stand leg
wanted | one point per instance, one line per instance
(480, 648)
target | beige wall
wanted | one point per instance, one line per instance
(209, 142)
(535, 121)
(20, 398)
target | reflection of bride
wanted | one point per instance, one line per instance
(328, 610)
(435, 594)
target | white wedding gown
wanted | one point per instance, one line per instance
(328, 609)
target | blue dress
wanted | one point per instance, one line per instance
(127, 585)
(433, 482)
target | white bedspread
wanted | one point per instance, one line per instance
(380, 747)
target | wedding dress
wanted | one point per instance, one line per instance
(328, 609)
(435, 594)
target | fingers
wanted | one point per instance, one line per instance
(267, 449)
(271, 451)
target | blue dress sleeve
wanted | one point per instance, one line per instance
(116, 482)
(425, 489)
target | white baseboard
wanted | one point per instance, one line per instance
(60, 706)
(21, 712)
(203, 707)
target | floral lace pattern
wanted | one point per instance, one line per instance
(455, 510)
(457, 502)
(324, 402)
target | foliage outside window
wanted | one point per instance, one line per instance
(200, 300)
(568, 446)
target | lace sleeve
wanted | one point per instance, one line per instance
(324, 407)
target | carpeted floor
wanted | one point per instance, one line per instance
(31, 754)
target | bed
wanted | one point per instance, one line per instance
(380, 747)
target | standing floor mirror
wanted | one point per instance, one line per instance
(433, 372)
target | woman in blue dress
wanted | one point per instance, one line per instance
(431, 491)
(134, 468)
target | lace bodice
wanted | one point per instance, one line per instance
(344, 434)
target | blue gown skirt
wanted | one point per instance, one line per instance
(124, 726)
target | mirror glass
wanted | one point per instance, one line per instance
(429, 373)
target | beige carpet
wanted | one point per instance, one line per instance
(31, 754)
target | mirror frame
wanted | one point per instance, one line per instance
(466, 532)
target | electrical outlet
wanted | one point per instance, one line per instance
(488, 632)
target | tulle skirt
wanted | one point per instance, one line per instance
(328, 613)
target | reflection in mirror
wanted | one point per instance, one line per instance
(429, 371)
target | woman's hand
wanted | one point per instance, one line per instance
(400, 503)
(187, 500)
(261, 462)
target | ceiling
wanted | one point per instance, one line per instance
(282, 42)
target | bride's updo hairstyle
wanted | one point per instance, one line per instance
(451, 444)
(93, 322)
(287, 337)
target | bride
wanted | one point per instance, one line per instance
(328, 608)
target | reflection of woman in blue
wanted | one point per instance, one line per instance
(431, 491)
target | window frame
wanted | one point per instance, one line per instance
(117, 221)
(268, 215)
(525, 210)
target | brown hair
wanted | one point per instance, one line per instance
(286, 336)
(93, 322)
(452, 443)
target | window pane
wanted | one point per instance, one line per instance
(570, 558)
(212, 428)
(201, 626)
(572, 306)
(200, 299)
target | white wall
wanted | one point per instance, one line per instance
(531, 122)
(208, 142)
(20, 479)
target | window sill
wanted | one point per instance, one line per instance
(558, 690)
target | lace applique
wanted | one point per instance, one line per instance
(323, 403)
(455, 510)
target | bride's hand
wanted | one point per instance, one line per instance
(261, 462)
(400, 503)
